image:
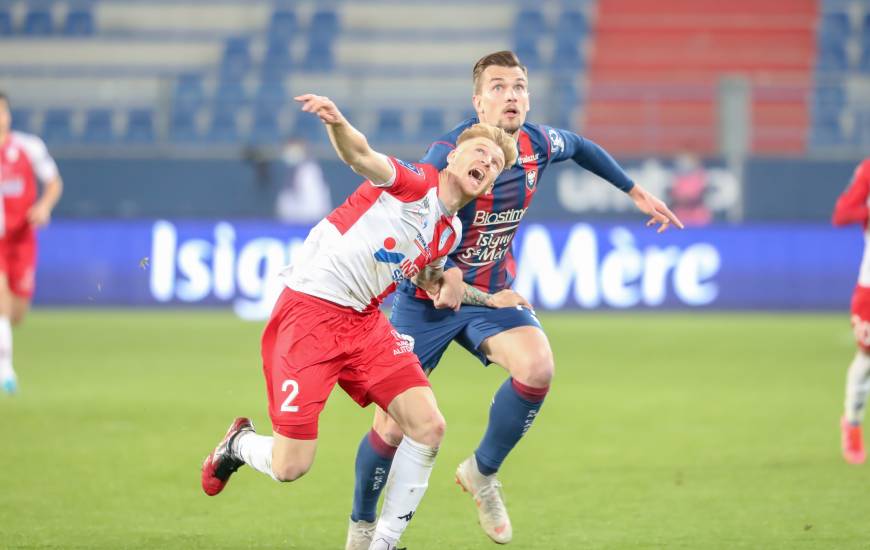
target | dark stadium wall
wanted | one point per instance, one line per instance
(775, 189)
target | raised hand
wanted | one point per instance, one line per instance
(651, 205)
(321, 106)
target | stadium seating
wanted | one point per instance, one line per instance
(21, 120)
(669, 56)
(140, 127)
(79, 22)
(38, 21)
(57, 127)
(98, 127)
(805, 62)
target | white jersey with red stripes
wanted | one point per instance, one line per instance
(23, 159)
(380, 236)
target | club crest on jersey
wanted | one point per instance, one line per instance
(531, 179)
(556, 141)
(410, 167)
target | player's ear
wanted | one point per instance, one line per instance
(476, 101)
(450, 156)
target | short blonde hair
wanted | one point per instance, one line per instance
(495, 134)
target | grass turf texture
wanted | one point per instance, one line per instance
(678, 431)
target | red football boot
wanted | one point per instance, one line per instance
(221, 464)
(853, 443)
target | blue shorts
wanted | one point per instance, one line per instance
(433, 329)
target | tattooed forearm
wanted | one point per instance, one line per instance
(475, 297)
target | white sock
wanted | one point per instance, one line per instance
(857, 387)
(6, 370)
(409, 477)
(256, 451)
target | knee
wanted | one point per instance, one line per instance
(289, 472)
(430, 430)
(535, 368)
(16, 318)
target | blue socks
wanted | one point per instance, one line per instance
(513, 410)
(373, 460)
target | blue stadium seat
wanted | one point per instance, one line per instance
(79, 22)
(98, 127)
(864, 63)
(318, 56)
(182, 126)
(829, 98)
(22, 120)
(5, 21)
(865, 28)
(431, 124)
(277, 62)
(572, 23)
(236, 60)
(567, 56)
(526, 48)
(308, 127)
(832, 57)
(271, 96)
(140, 126)
(862, 129)
(282, 26)
(826, 130)
(38, 22)
(57, 126)
(189, 93)
(529, 21)
(231, 93)
(834, 25)
(223, 128)
(265, 128)
(324, 22)
(390, 125)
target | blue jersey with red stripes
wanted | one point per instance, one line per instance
(485, 254)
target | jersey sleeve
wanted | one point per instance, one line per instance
(410, 181)
(566, 145)
(43, 165)
(851, 206)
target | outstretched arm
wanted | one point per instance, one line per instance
(350, 144)
(594, 158)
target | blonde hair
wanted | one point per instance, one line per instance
(504, 58)
(495, 134)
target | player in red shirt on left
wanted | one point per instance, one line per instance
(24, 159)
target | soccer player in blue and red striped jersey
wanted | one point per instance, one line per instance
(489, 324)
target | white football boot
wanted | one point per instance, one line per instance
(486, 491)
(360, 534)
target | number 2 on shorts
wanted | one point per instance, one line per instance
(294, 391)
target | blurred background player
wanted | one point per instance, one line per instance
(482, 266)
(24, 159)
(327, 327)
(304, 196)
(851, 208)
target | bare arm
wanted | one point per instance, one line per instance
(349, 143)
(40, 213)
(503, 298)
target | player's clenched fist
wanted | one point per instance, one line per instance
(321, 106)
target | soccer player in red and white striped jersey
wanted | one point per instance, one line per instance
(852, 207)
(326, 327)
(24, 160)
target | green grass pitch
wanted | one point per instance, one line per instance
(661, 431)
